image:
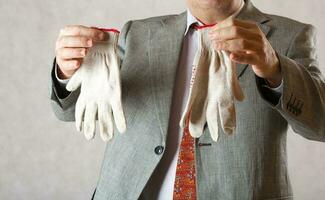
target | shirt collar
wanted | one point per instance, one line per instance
(192, 20)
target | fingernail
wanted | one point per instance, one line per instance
(89, 42)
(83, 52)
(77, 64)
(101, 36)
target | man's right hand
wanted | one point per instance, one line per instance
(72, 46)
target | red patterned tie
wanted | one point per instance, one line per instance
(185, 180)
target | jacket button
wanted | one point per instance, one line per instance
(159, 150)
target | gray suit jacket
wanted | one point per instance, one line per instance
(252, 163)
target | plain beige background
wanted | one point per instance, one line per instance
(43, 158)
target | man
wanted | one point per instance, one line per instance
(277, 70)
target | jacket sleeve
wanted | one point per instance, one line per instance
(302, 102)
(62, 101)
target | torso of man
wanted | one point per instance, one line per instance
(161, 183)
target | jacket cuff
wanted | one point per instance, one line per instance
(60, 94)
(282, 101)
(271, 95)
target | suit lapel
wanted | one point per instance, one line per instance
(165, 47)
(251, 13)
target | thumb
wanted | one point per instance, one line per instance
(74, 82)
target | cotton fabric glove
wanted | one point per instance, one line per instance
(213, 91)
(100, 94)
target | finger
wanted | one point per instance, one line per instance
(234, 32)
(71, 53)
(69, 65)
(197, 116)
(68, 68)
(105, 122)
(212, 119)
(74, 82)
(237, 45)
(112, 62)
(90, 121)
(74, 41)
(231, 76)
(79, 113)
(78, 30)
(244, 58)
(196, 126)
(227, 116)
(119, 115)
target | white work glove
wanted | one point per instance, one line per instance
(223, 89)
(214, 86)
(100, 94)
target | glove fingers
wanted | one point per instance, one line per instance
(230, 75)
(191, 96)
(196, 130)
(238, 92)
(236, 89)
(90, 121)
(105, 122)
(227, 73)
(215, 88)
(199, 93)
(227, 116)
(79, 113)
(119, 116)
(197, 118)
(113, 65)
(190, 99)
(212, 119)
(74, 82)
(196, 123)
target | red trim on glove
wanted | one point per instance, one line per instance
(107, 29)
(198, 27)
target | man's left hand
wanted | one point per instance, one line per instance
(247, 44)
